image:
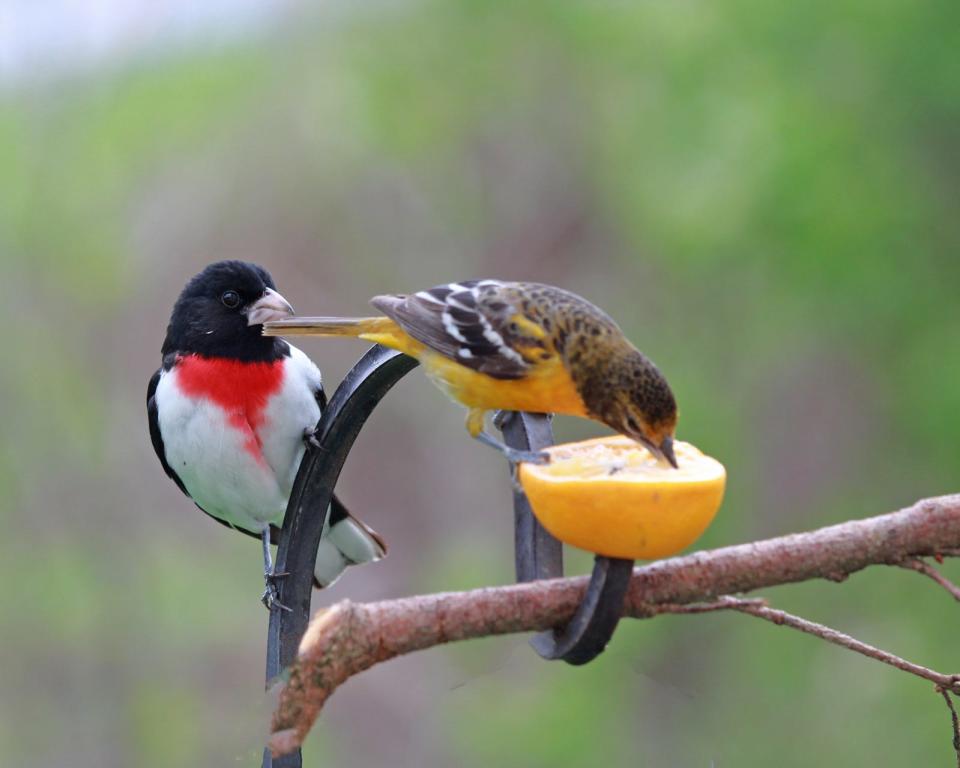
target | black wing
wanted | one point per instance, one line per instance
(321, 398)
(155, 437)
(468, 322)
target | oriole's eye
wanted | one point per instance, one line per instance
(632, 424)
(230, 299)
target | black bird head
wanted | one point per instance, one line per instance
(221, 311)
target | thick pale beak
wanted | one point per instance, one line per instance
(270, 306)
(666, 448)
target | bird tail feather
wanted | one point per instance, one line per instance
(328, 326)
(347, 542)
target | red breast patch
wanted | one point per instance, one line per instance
(241, 389)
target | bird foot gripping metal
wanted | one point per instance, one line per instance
(538, 554)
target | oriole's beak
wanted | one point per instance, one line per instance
(270, 306)
(666, 448)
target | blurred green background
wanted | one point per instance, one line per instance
(765, 195)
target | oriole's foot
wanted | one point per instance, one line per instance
(271, 596)
(514, 455)
(310, 437)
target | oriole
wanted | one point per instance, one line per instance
(517, 346)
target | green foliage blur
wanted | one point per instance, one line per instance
(764, 195)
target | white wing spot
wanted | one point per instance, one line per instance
(513, 355)
(465, 353)
(491, 335)
(495, 338)
(451, 327)
(427, 296)
(459, 305)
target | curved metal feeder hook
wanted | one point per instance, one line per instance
(539, 556)
(354, 400)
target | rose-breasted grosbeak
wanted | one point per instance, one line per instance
(230, 409)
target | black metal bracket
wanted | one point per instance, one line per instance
(340, 423)
(539, 555)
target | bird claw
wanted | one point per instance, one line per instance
(513, 455)
(271, 601)
(271, 596)
(310, 437)
(516, 456)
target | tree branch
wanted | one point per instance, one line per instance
(920, 566)
(784, 619)
(349, 638)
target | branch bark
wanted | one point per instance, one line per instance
(349, 638)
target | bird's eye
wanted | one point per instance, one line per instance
(230, 299)
(632, 424)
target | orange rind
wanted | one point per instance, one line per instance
(611, 496)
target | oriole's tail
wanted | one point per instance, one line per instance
(329, 326)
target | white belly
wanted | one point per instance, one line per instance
(293, 409)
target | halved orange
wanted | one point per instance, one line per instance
(611, 496)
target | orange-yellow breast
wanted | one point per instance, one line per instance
(548, 387)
